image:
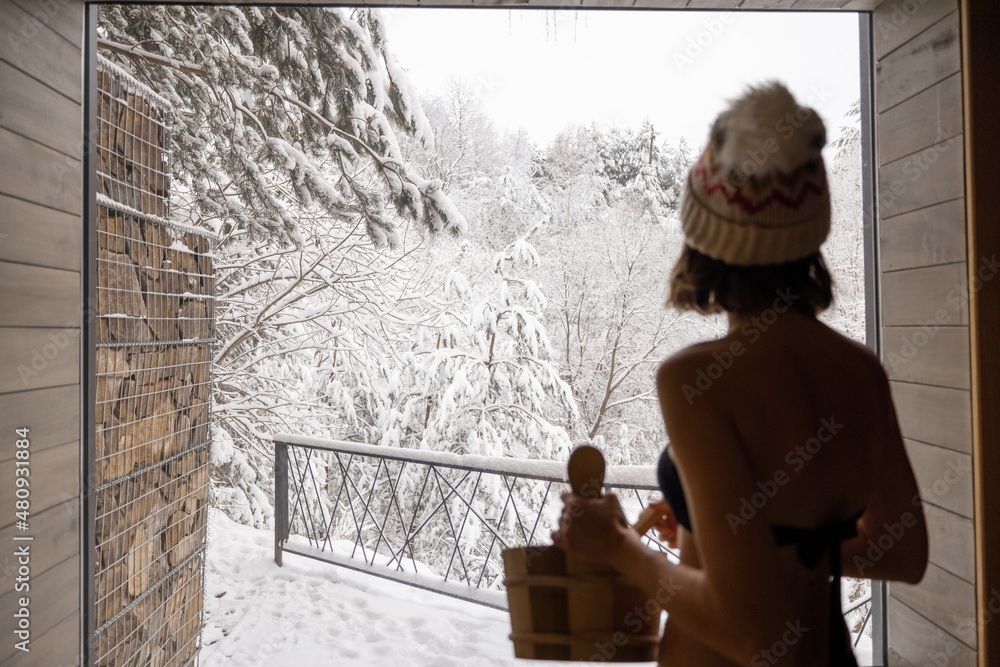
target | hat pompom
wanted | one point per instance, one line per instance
(767, 121)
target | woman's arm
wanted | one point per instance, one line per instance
(892, 533)
(739, 602)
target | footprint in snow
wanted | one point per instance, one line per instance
(373, 635)
(422, 636)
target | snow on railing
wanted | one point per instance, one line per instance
(437, 520)
(434, 520)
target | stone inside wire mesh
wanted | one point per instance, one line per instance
(133, 165)
(155, 335)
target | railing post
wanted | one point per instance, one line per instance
(280, 498)
(880, 648)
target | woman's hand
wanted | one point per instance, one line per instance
(667, 525)
(592, 529)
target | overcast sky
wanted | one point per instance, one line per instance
(543, 70)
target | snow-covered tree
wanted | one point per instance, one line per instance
(486, 173)
(844, 248)
(285, 143)
(606, 284)
(645, 191)
(475, 376)
(570, 179)
(466, 143)
(675, 163)
(647, 197)
(620, 155)
(301, 330)
(265, 96)
(482, 382)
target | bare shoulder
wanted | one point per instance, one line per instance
(696, 356)
(685, 358)
(690, 373)
(864, 356)
(682, 365)
(687, 376)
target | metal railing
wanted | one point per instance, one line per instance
(434, 520)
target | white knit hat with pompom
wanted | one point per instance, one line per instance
(758, 194)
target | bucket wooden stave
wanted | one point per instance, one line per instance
(562, 608)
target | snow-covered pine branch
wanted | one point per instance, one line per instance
(262, 96)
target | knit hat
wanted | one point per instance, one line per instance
(758, 193)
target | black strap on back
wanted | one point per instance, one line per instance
(812, 543)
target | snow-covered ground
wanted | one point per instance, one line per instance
(310, 613)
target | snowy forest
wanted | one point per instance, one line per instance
(396, 270)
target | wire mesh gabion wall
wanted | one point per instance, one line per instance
(155, 328)
(133, 166)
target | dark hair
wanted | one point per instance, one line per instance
(709, 285)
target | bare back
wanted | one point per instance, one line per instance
(807, 405)
(809, 411)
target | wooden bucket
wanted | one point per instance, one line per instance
(562, 608)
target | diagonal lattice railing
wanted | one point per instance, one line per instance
(435, 520)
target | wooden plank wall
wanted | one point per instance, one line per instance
(925, 314)
(40, 265)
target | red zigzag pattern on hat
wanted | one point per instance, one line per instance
(751, 207)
